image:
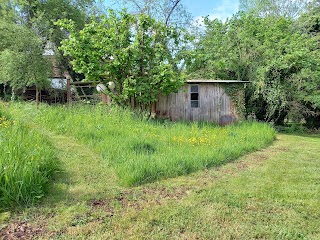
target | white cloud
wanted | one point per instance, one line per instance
(221, 12)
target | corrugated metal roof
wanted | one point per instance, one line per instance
(214, 81)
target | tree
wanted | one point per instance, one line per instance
(280, 62)
(131, 51)
(40, 16)
(21, 58)
(309, 23)
(170, 12)
(30, 25)
(277, 8)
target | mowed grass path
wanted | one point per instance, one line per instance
(270, 194)
(84, 174)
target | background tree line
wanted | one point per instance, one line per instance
(27, 29)
(274, 45)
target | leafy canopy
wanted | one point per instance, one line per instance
(21, 60)
(139, 54)
(280, 61)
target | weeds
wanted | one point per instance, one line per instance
(144, 151)
(27, 161)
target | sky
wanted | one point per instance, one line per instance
(221, 9)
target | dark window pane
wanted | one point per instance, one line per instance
(194, 104)
(194, 96)
(194, 88)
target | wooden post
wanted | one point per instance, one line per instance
(105, 98)
(153, 110)
(132, 103)
(4, 92)
(68, 90)
(37, 96)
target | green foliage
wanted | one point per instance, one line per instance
(27, 162)
(172, 12)
(310, 21)
(36, 21)
(281, 62)
(43, 15)
(136, 53)
(236, 93)
(21, 60)
(141, 151)
(277, 8)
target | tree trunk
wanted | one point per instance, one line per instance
(13, 96)
(4, 92)
(132, 103)
(37, 95)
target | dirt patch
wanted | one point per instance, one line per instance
(176, 193)
(260, 157)
(281, 149)
(141, 198)
(242, 165)
(102, 204)
(20, 230)
(97, 203)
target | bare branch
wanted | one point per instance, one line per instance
(171, 11)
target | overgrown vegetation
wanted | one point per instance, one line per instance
(21, 61)
(269, 194)
(143, 151)
(139, 54)
(27, 162)
(272, 44)
(126, 176)
(275, 46)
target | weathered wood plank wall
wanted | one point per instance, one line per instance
(214, 103)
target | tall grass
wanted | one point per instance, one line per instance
(143, 151)
(27, 161)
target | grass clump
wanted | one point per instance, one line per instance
(142, 151)
(27, 161)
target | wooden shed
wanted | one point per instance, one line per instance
(220, 101)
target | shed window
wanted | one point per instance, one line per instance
(194, 96)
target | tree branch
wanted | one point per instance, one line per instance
(171, 11)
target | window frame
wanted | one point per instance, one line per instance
(194, 92)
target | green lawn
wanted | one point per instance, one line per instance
(269, 194)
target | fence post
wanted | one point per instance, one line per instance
(68, 91)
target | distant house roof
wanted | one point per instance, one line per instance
(58, 83)
(57, 72)
(215, 81)
(49, 49)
